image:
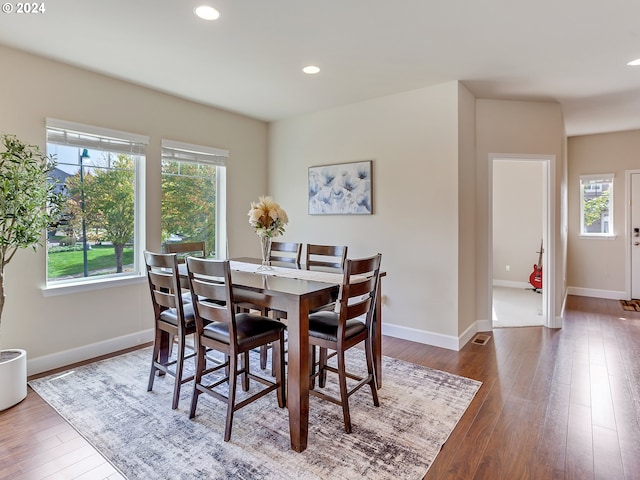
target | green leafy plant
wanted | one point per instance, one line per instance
(29, 199)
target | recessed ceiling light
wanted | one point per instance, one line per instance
(634, 63)
(206, 12)
(311, 69)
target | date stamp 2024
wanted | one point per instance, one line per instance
(23, 8)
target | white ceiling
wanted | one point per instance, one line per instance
(249, 61)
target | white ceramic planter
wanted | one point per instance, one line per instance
(13, 378)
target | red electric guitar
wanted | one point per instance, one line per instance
(535, 279)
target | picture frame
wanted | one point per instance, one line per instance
(341, 189)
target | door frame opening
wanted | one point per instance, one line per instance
(548, 163)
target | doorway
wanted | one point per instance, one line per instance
(520, 207)
(633, 235)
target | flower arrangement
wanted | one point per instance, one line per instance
(267, 217)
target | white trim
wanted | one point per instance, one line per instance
(56, 289)
(421, 336)
(92, 129)
(484, 325)
(222, 250)
(87, 352)
(548, 229)
(596, 293)
(191, 148)
(467, 335)
(594, 177)
(598, 236)
(602, 178)
(628, 227)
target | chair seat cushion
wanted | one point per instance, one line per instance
(324, 325)
(251, 328)
(171, 316)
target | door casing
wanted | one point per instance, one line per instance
(548, 236)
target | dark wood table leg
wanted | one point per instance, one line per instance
(298, 374)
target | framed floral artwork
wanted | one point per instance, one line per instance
(341, 189)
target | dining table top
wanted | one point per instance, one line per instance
(279, 284)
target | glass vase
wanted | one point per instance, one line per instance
(265, 251)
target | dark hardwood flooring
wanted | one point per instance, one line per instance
(554, 404)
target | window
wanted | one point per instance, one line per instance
(193, 195)
(596, 205)
(99, 231)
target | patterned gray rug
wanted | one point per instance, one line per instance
(140, 435)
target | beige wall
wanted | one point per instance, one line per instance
(83, 324)
(521, 128)
(429, 149)
(517, 219)
(467, 211)
(596, 267)
(413, 141)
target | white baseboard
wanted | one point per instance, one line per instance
(592, 292)
(435, 339)
(484, 325)
(467, 335)
(85, 352)
(420, 336)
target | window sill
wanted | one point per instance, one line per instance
(598, 237)
(86, 286)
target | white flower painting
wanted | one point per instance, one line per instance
(342, 189)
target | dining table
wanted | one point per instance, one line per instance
(297, 292)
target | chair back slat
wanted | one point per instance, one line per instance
(326, 256)
(186, 249)
(164, 299)
(355, 310)
(210, 284)
(288, 252)
(359, 290)
(164, 282)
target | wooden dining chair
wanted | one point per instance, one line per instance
(286, 252)
(173, 319)
(220, 328)
(185, 249)
(325, 257)
(342, 330)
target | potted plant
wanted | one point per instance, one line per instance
(29, 202)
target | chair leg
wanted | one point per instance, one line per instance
(231, 399)
(245, 371)
(263, 357)
(200, 366)
(322, 378)
(154, 358)
(344, 397)
(179, 370)
(312, 366)
(368, 348)
(277, 363)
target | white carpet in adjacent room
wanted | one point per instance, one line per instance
(516, 307)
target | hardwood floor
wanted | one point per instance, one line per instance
(554, 404)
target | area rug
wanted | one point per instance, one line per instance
(630, 305)
(139, 433)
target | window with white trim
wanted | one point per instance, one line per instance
(100, 229)
(596, 205)
(194, 195)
